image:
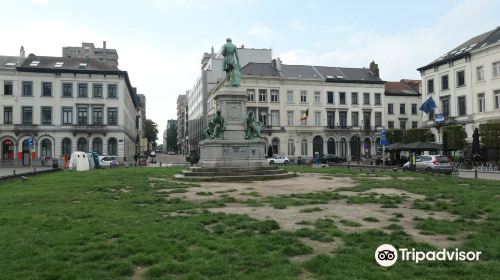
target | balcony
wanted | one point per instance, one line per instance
(26, 128)
(89, 128)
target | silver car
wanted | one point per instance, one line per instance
(431, 163)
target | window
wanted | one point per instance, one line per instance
(66, 146)
(329, 97)
(289, 96)
(303, 96)
(377, 99)
(46, 89)
(414, 124)
(97, 146)
(82, 145)
(82, 90)
(390, 124)
(461, 78)
(366, 98)
(317, 118)
(367, 119)
(27, 88)
(97, 90)
(27, 116)
(262, 95)
(479, 73)
(289, 118)
(480, 102)
(413, 109)
(354, 98)
(390, 109)
(342, 98)
(46, 148)
(496, 69)
(67, 115)
(112, 116)
(343, 147)
(7, 115)
(402, 124)
(342, 119)
(82, 115)
(275, 118)
(274, 95)
(330, 119)
(97, 115)
(7, 88)
(251, 95)
(445, 103)
(67, 89)
(47, 115)
(431, 115)
(430, 86)
(317, 97)
(112, 91)
(462, 107)
(402, 109)
(378, 119)
(291, 147)
(497, 98)
(303, 121)
(112, 147)
(444, 82)
(355, 119)
(303, 147)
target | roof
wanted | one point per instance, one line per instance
(259, 69)
(10, 62)
(311, 72)
(68, 63)
(464, 49)
(399, 89)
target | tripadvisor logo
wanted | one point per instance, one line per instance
(386, 255)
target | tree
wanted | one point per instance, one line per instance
(151, 131)
(394, 136)
(172, 138)
(455, 134)
(418, 134)
(490, 136)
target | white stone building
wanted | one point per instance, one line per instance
(465, 83)
(345, 106)
(402, 103)
(88, 50)
(65, 105)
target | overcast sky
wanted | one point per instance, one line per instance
(161, 42)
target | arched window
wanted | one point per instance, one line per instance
(331, 146)
(318, 146)
(97, 146)
(343, 147)
(8, 149)
(275, 143)
(355, 148)
(46, 148)
(112, 147)
(303, 147)
(291, 147)
(66, 146)
(82, 146)
(367, 146)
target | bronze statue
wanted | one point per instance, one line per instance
(231, 63)
(252, 127)
(215, 128)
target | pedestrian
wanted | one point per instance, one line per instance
(135, 158)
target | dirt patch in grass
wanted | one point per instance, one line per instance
(318, 248)
(138, 273)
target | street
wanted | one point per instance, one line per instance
(168, 159)
(480, 175)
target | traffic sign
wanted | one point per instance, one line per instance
(383, 137)
(30, 142)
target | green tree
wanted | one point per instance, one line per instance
(418, 134)
(394, 136)
(151, 131)
(456, 136)
(490, 135)
(172, 138)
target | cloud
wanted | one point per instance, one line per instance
(260, 31)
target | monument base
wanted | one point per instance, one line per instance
(232, 153)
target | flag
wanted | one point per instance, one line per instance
(305, 115)
(428, 105)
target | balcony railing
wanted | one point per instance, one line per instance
(26, 128)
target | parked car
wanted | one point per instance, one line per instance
(329, 158)
(431, 163)
(108, 161)
(277, 159)
(171, 153)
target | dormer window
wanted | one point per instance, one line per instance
(34, 63)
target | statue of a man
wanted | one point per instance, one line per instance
(219, 125)
(252, 127)
(231, 63)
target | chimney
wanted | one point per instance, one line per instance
(21, 52)
(374, 69)
(277, 64)
(212, 51)
(104, 49)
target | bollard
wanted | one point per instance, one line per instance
(160, 163)
(348, 165)
(14, 172)
(34, 169)
(475, 173)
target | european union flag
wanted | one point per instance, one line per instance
(428, 105)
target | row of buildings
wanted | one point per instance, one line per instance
(348, 107)
(80, 101)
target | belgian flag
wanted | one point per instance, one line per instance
(305, 115)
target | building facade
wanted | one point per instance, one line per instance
(402, 104)
(345, 108)
(182, 140)
(465, 84)
(65, 105)
(88, 50)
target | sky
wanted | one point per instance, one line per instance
(160, 42)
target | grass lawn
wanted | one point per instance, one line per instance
(122, 224)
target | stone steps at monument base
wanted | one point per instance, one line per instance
(234, 169)
(181, 177)
(233, 173)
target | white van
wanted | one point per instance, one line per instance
(79, 161)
